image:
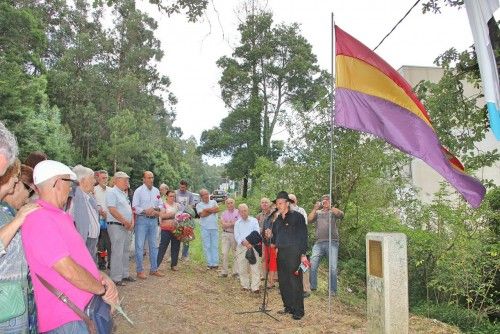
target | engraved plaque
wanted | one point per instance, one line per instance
(375, 258)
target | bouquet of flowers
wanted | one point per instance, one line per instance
(184, 230)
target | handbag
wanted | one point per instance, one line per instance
(97, 314)
(12, 301)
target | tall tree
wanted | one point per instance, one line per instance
(271, 69)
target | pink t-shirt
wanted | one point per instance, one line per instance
(49, 235)
(230, 215)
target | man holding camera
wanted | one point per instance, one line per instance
(321, 215)
(147, 204)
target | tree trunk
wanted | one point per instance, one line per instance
(245, 187)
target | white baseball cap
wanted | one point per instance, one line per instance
(122, 175)
(47, 169)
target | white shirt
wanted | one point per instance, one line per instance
(243, 228)
(100, 197)
(145, 198)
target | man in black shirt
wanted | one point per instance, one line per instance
(289, 236)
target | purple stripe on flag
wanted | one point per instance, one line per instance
(405, 131)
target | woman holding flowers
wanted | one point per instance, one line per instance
(168, 225)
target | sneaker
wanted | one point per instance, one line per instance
(306, 294)
(120, 283)
(128, 279)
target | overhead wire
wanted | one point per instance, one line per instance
(393, 28)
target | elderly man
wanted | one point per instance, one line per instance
(147, 204)
(120, 223)
(289, 236)
(228, 219)
(207, 210)
(321, 215)
(294, 205)
(84, 208)
(8, 148)
(185, 198)
(56, 252)
(104, 243)
(242, 229)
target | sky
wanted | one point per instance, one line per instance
(192, 49)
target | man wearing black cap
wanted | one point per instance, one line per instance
(289, 236)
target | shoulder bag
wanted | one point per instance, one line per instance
(97, 314)
(12, 301)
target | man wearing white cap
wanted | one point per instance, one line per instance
(120, 224)
(56, 252)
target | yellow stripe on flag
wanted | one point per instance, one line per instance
(355, 74)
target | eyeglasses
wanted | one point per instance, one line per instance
(74, 182)
(30, 190)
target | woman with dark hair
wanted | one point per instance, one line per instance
(168, 225)
(15, 189)
(34, 158)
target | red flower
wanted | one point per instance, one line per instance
(158, 196)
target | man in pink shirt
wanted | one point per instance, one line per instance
(228, 219)
(56, 252)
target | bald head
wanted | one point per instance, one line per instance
(148, 179)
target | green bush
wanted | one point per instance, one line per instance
(467, 320)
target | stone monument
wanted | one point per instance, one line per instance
(387, 283)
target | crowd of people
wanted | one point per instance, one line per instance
(73, 228)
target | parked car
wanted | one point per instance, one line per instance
(218, 196)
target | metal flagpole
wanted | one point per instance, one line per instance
(332, 125)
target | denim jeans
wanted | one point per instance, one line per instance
(146, 228)
(185, 249)
(319, 250)
(73, 327)
(210, 240)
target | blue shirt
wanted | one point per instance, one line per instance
(244, 227)
(145, 198)
(119, 200)
(209, 222)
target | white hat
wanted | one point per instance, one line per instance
(47, 169)
(121, 174)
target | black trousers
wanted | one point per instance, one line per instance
(291, 289)
(103, 244)
(166, 237)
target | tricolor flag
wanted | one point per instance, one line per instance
(372, 97)
(480, 14)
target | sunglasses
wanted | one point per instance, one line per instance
(30, 190)
(66, 179)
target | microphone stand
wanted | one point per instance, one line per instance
(263, 307)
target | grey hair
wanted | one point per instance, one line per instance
(8, 144)
(82, 172)
(163, 185)
(243, 206)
